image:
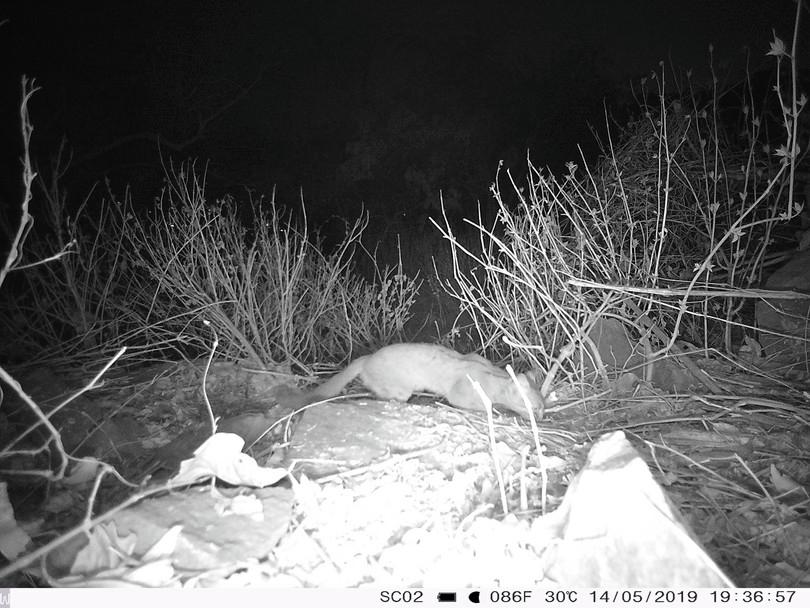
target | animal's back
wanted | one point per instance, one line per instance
(398, 371)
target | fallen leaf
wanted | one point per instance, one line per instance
(13, 539)
(221, 456)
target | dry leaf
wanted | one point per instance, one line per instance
(221, 456)
(13, 539)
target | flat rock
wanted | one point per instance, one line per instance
(344, 435)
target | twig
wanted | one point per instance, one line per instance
(493, 445)
(539, 449)
(26, 221)
(720, 292)
(211, 418)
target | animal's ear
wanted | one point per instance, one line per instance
(525, 380)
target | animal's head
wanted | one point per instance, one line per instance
(528, 388)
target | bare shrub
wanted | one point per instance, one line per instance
(678, 202)
(148, 281)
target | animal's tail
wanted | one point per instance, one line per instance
(335, 384)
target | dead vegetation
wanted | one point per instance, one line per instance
(625, 285)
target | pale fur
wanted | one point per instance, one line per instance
(400, 370)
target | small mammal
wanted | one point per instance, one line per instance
(398, 371)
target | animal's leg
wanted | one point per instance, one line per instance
(390, 391)
(463, 395)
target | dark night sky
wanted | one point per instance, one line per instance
(352, 100)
